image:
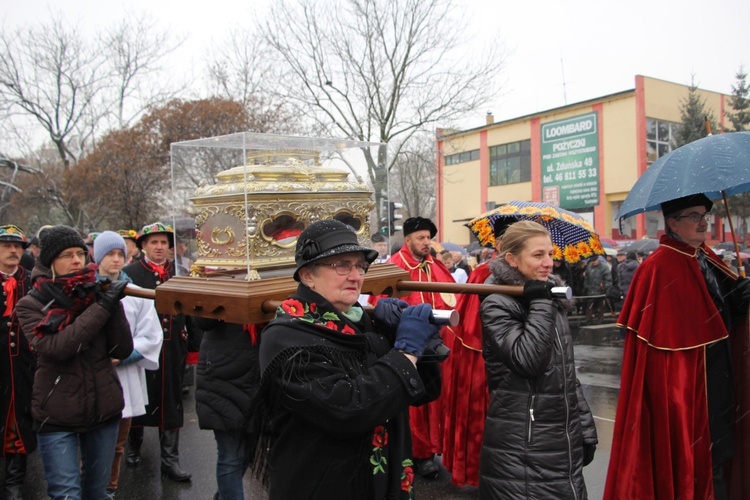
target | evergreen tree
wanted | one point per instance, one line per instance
(740, 118)
(694, 115)
(740, 103)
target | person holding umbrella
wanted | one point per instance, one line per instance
(673, 431)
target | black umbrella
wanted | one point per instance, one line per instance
(645, 245)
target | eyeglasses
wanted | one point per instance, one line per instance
(343, 268)
(695, 217)
(70, 255)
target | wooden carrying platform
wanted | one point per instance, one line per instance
(248, 302)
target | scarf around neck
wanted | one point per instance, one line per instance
(10, 285)
(65, 298)
(161, 269)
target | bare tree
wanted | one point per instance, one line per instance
(242, 68)
(9, 173)
(124, 180)
(414, 175)
(134, 51)
(379, 70)
(48, 72)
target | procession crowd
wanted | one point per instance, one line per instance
(344, 395)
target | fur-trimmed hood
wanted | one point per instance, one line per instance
(504, 274)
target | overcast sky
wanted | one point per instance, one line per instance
(599, 46)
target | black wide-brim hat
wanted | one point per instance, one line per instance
(327, 238)
(694, 200)
(413, 224)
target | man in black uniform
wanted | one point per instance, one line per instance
(17, 371)
(164, 409)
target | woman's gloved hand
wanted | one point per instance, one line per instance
(415, 329)
(537, 289)
(109, 298)
(387, 314)
(588, 453)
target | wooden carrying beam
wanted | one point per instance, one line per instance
(240, 301)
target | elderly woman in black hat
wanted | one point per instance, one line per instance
(336, 384)
(75, 327)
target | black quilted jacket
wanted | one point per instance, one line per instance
(538, 419)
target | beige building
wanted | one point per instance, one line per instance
(584, 157)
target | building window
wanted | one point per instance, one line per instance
(462, 157)
(660, 138)
(510, 163)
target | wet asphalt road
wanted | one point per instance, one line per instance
(598, 355)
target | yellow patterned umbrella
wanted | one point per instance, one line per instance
(573, 237)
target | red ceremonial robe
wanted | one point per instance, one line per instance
(661, 448)
(466, 394)
(426, 421)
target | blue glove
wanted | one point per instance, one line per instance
(387, 314)
(415, 329)
(134, 357)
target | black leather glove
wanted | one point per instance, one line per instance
(537, 289)
(110, 297)
(415, 329)
(387, 314)
(742, 294)
(588, 453)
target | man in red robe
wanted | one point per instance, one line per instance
(676, 412)
(426, 420)
(466, 395)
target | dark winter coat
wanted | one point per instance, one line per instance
(335, 398)
(17, 369)
(597, 278)
(75, 385)
(625, 271)
(228, 376)
(564, 273)
(537, 420)
(164, 408)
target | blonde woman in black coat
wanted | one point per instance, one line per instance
(539, 431)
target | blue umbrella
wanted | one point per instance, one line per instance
(715, 165)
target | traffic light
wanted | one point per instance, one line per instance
(393, 216)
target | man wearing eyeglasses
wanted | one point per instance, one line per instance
(426, 420)
(675, 414)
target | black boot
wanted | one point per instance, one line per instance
(135, 440)
(170, 457)
(15, 471)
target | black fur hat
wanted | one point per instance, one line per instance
(673, 206)
(413, 224)
(325, 238)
